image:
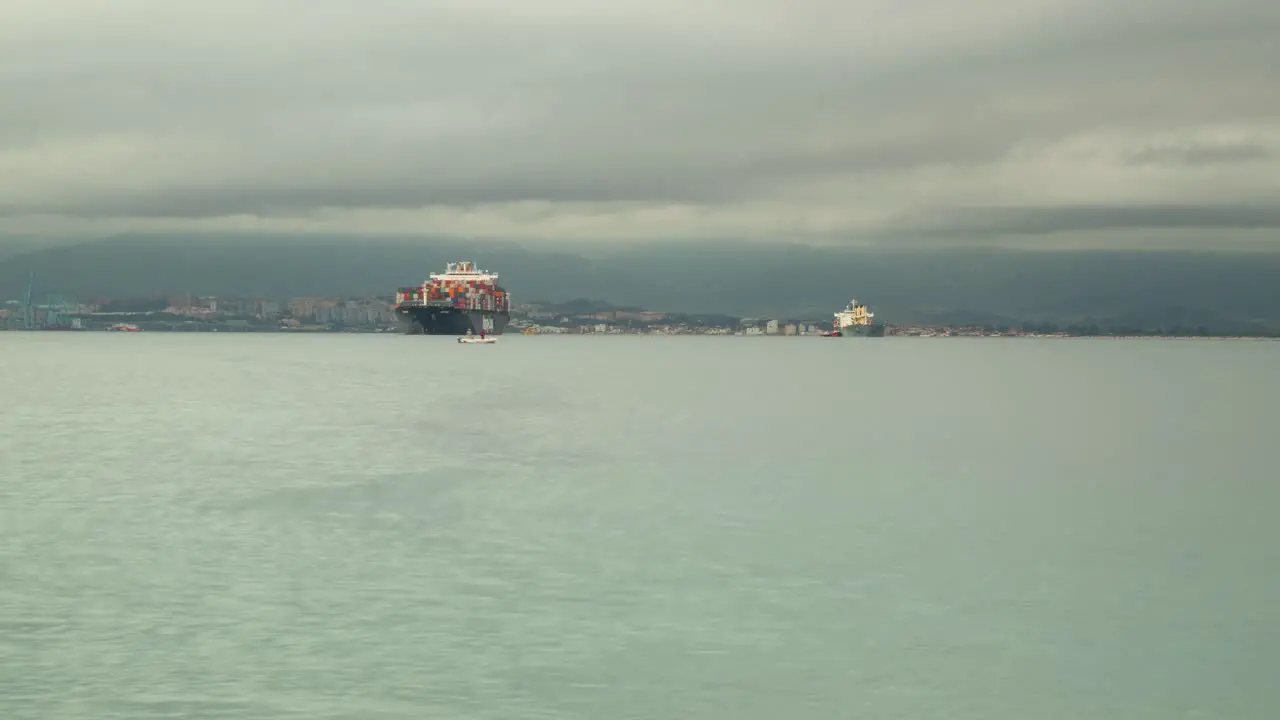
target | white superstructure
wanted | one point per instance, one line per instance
(854, 314)
(464, 272)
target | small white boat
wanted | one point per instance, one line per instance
(473, 340)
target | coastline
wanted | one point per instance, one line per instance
(627, 332)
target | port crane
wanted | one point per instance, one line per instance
(28, 320)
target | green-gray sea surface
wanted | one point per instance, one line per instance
(376, 527)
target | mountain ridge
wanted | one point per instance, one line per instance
(755, 279)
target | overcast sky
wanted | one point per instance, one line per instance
(1037, 122)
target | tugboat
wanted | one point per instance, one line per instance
(855, 321)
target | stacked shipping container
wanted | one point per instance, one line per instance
(461, 294)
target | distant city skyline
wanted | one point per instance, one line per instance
(1051, 123)
(583, 316)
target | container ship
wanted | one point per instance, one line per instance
(460, 301)
(856, 321)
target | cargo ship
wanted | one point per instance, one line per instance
(462, 300)
(855, 321)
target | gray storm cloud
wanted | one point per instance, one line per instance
(848, 121)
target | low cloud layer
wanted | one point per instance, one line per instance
(854, 121)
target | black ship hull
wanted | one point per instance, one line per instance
(874, 330)
(451, 321)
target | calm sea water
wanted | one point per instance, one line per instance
(374, 527)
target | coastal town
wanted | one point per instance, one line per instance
(377, 315)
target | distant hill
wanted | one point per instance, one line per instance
(582, 306)
(956, 286)
(13, 246)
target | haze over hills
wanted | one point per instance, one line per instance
(944, 286)
(11, 246)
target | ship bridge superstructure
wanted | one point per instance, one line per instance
(464, 272)
(854, 314)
